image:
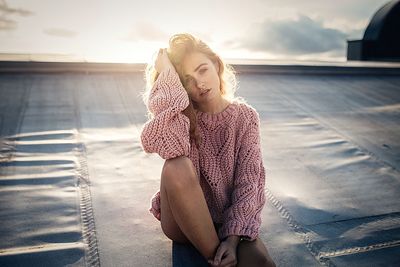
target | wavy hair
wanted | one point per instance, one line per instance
(181, 45)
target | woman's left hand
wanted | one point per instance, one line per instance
(226, 253)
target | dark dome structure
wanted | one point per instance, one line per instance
(381, 41)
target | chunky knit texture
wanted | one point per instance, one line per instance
(228, 162)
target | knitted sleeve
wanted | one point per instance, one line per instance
(167, 133)
(243, 217)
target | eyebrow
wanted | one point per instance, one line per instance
(197, 68)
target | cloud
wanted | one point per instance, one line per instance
(144, 31)
(5, 9)
(58, 32)
(291, 37)
(6, 23)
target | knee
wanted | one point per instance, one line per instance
(178, 166)
(178, 172)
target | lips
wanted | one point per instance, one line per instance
(205, 92)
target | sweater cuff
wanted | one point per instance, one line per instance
(247, 232)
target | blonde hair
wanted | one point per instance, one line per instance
(179, 46)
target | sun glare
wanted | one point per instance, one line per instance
(138, 52)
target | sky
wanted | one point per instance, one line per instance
(131, 31)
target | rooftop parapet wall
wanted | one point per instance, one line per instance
(312, 68)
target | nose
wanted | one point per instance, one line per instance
(200, 84)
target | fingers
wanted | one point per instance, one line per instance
(218, 255)
(160, 53)
(224, 257)
(162, 50)
(162, 61)
(229, 260)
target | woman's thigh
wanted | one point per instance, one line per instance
(253, 253)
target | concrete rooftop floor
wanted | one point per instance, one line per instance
(75, 185)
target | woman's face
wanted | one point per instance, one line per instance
(200, 77)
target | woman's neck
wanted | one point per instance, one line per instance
(213, 107)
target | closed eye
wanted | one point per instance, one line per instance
(202, 71)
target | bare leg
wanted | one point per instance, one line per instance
(253, 254)
(184, 211)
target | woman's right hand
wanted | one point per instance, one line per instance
(226, 253)
(162, 61)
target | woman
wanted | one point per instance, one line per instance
(212, 182)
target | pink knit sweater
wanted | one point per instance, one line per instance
(228, 162)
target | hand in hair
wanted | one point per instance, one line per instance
(162, 61)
